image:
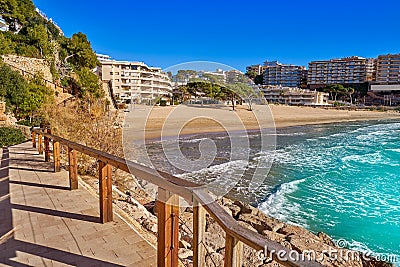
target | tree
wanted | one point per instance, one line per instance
(13, 88)
(334, 90)
(213, 78)
(16, 12)
(6, 46)
(89, 84)
(185, 75)
(37, 94)
(80, 52)
(258, 79)
(251, 74)
(350, 92)
(39, 38)
(170, 76)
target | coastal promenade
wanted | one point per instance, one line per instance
(44, 223)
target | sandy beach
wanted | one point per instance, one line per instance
(181, 120)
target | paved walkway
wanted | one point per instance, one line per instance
(43, 223)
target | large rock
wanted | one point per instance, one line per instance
(214, 237)
(326, 239)
(261, 223)
(214, 259)
(185, 253)
(288, 229)
(244, 208)
(371, 262)
(316, 249)
(281, 239)
(235, 210)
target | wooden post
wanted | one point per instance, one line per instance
(199, 227)
(56, 156)
(105, 182)
(33, 139)
(40, 143)
(73, 169)
(46, 149)
(168, 226)
(47, 146)
(233, 252)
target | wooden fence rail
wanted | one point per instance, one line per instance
(170, 189)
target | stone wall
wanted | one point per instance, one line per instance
(29, 65)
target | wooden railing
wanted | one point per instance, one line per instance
(170, 189)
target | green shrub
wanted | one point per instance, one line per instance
(35, 122)
(10, 136)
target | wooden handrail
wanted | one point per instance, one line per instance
(170, 185)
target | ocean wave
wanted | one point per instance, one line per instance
(196, 140)
(278, 206)
(218, 170)
(394, 150)
(376, 158)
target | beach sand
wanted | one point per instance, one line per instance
(182, 119)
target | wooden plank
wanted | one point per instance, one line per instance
(73, 169)
(105, 192)
(33, 139)
(40, 144)
(233, 252)
(168, 228)
(56, 156)
(199, 227)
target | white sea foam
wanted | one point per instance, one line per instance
(217, 170)
(196, 140)
(394, 150)
(278, 206)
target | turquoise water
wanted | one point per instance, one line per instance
(343, 180)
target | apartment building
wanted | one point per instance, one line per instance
(388, 69)
(258, 69)
(347, 71)
(294, 96)
(277, 74)
(134, 81)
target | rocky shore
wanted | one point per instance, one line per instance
(140, 210)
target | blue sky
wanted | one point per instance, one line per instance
(236, 33)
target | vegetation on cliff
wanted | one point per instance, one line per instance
(71, 60)
(23, 97)
(33, 35)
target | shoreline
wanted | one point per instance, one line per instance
(252, 217)
(157, 121)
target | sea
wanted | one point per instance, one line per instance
(342, 179)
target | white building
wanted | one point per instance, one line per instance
(294, 96)
(134, 81)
